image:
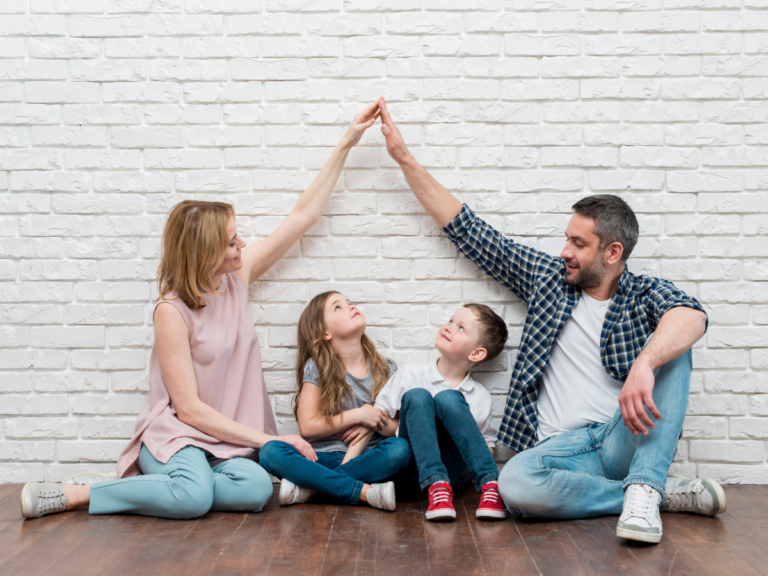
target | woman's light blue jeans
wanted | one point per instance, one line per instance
(186, 487)
(583, 473)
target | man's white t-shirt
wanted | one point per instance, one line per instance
(574, 389)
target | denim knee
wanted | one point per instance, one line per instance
(399, 451)
(517, 487)
(196, 499)
(254, 484)
(449, 401)
(272, 454)
(415, 398)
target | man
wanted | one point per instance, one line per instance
(601, 349)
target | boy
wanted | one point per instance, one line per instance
(446, 415)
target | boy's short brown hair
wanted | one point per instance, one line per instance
(493, 332)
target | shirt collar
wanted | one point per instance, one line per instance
(437, 379)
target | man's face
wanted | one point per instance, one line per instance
(582, 254)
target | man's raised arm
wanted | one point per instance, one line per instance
(437, 201)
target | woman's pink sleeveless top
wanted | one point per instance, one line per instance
(227, 363)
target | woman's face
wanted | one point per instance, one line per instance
(342, 319)
(232, 261)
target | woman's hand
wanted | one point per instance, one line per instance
(354, 434)
(370, 416)
(304, 447)
(361, 123)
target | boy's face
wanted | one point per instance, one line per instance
(460, 337)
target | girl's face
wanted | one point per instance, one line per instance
(342, 319)
(232, 261)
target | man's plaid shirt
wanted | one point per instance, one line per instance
(538, 279)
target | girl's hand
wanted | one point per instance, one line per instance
(304, 447)
(354, 434)
(361, 123)
(370, 416)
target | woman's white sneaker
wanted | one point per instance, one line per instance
(697, 495)
(41, 498)
(382, 496)
(292, 494)
(640, 519)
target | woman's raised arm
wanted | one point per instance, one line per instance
(261, 256)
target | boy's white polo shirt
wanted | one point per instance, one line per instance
(428, 377)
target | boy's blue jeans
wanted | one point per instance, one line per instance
(328, 475)
(445, 439)
(583, 473)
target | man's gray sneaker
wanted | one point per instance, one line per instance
(697, 495)
(88, 478)
(640, 519)
(41, 498)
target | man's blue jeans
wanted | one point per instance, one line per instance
(328, 475)
(446, 442)
(584, 472)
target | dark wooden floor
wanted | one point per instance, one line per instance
(326, 539)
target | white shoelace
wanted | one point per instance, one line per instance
(641, 500)
(684, 498)
(440, 495)
(490, 495)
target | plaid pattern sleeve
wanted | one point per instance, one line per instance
(663, 296)
(513, 265)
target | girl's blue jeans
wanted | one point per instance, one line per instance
(328, 475)
(584, 472)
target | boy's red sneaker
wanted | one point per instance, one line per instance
(441, 502)
(491, 507)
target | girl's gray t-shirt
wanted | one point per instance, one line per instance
(361, 395)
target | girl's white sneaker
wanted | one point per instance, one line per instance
(382, 496)
(292, 494)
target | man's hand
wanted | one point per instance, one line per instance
(636, 394)
(395, 144)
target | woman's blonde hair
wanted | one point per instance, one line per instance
(195, 240)
(330, 368)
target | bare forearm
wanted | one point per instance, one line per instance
(316, 427)
(214, 423)
(678, 330)
(390, 429)
(312, 202)
(437, 201)
(356, 449)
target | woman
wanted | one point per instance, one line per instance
(207, 411)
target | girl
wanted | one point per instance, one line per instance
(207, 413)
(338, 373)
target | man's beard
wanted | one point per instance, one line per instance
(589, 276)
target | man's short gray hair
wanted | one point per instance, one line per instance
(614, 221)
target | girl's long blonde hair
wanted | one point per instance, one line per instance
(330, 368)
(195, 240)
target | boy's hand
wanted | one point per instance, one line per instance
(354, 434)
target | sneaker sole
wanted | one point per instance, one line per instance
(491, 514)
(441, 516)
(720, 495)
(23, 501)
(638, 536)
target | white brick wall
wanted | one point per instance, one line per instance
(111, 111)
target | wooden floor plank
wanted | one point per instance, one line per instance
(203, 546)
(49, 548)
(552, 549)
(9, 491)
(452, 547)
(501, 547)
(99, 550)
(251, 548)
(605, 552)
(352, 542)
(305, 541)
(10, 508)
(742, 537)
(402, 544)
(23, 533)
(145, 550)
